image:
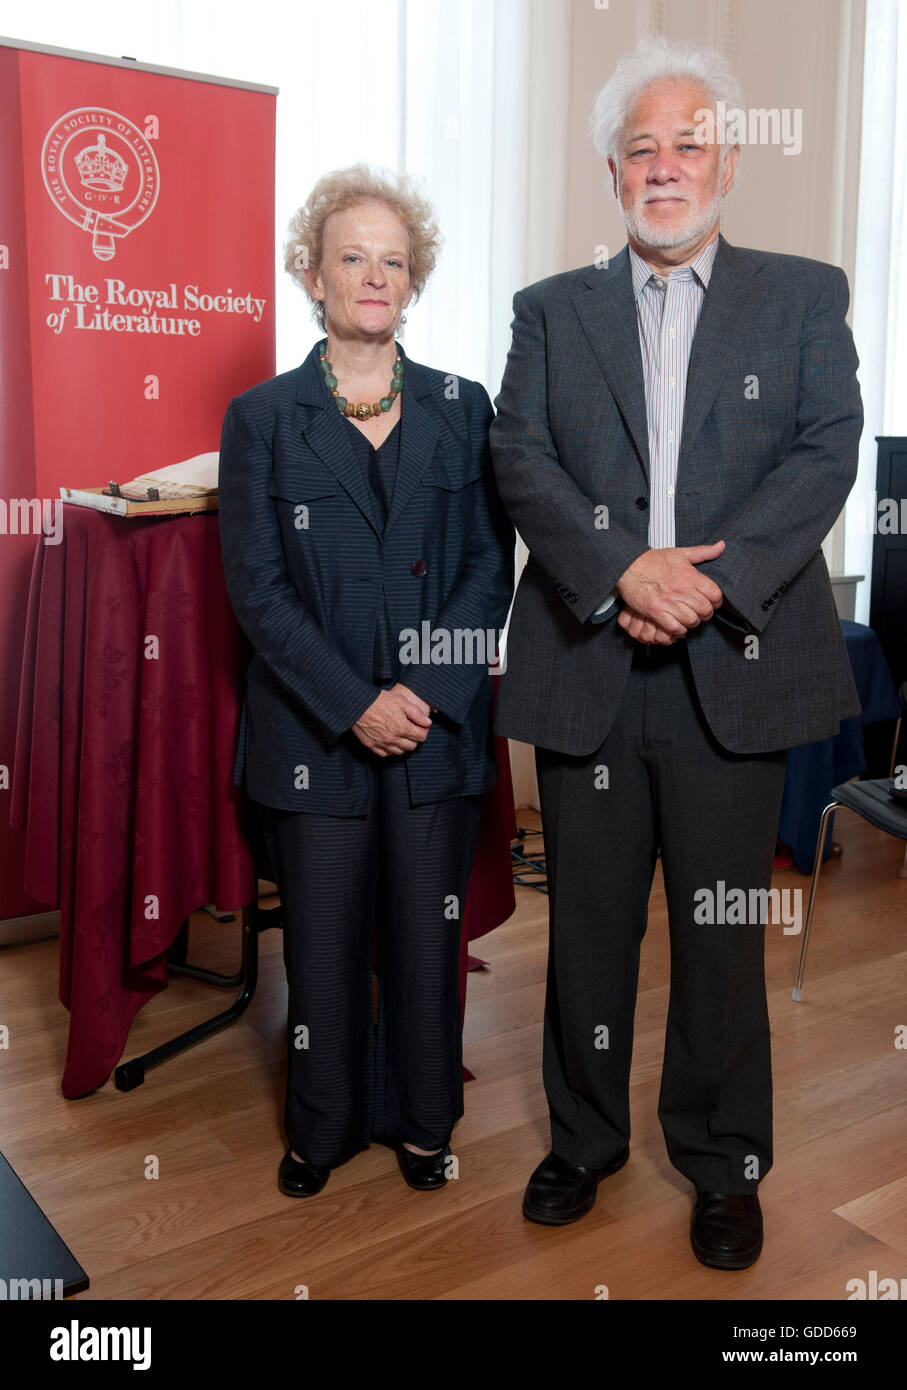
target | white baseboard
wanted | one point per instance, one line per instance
(37, 927)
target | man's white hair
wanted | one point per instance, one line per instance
(651, 60)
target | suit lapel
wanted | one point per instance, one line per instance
(607, 311)
(724, 319)
(325, 432)
(419, 435)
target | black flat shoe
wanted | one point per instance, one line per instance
(560, 1192)
(726, 1230)
(424, 1172)
(297, 1179)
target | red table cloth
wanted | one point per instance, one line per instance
(130, 699)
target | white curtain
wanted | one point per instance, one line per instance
(880, 279)
(470, 94)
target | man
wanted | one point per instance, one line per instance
(676, 433)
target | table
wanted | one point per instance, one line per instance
(814, 768)
(129, 707)
(31, 1250)
(129, 711)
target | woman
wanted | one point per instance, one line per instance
(358, 509)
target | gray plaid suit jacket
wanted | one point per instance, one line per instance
(768, 455)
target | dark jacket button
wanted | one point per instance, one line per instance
(642, 504)
(420, 567)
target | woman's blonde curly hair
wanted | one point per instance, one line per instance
(344, 188)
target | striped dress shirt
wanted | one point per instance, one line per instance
(667, 311)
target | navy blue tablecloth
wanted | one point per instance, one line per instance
(814, 768)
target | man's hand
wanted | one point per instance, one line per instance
(396, 722)
(639, 627)
(663, 588)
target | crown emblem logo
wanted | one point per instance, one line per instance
(101, 168)
(107, 188)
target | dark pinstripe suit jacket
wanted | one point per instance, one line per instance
(307, 574)
(768, 455)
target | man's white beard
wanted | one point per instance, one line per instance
(649, 233)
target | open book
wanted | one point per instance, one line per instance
(195, 477)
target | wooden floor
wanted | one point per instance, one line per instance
(214, 1226)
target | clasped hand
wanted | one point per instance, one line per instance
(665, 595)
(396, 722)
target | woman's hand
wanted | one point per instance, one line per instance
(396, 722)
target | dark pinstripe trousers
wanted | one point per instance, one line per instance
(660, 781)
(404, 869)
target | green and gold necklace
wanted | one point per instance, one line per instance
(362, 410)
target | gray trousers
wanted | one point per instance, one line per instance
(660, 781)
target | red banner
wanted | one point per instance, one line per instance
(136, 297)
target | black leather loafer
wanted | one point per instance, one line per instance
(560, 1192)
(297, 1179)
(726, 1230)
(424, 1172)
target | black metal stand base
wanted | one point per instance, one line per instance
(128, 1075)
(529, 870)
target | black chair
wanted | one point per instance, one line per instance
(872, 801)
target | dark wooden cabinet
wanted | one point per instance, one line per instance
(888, 596)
